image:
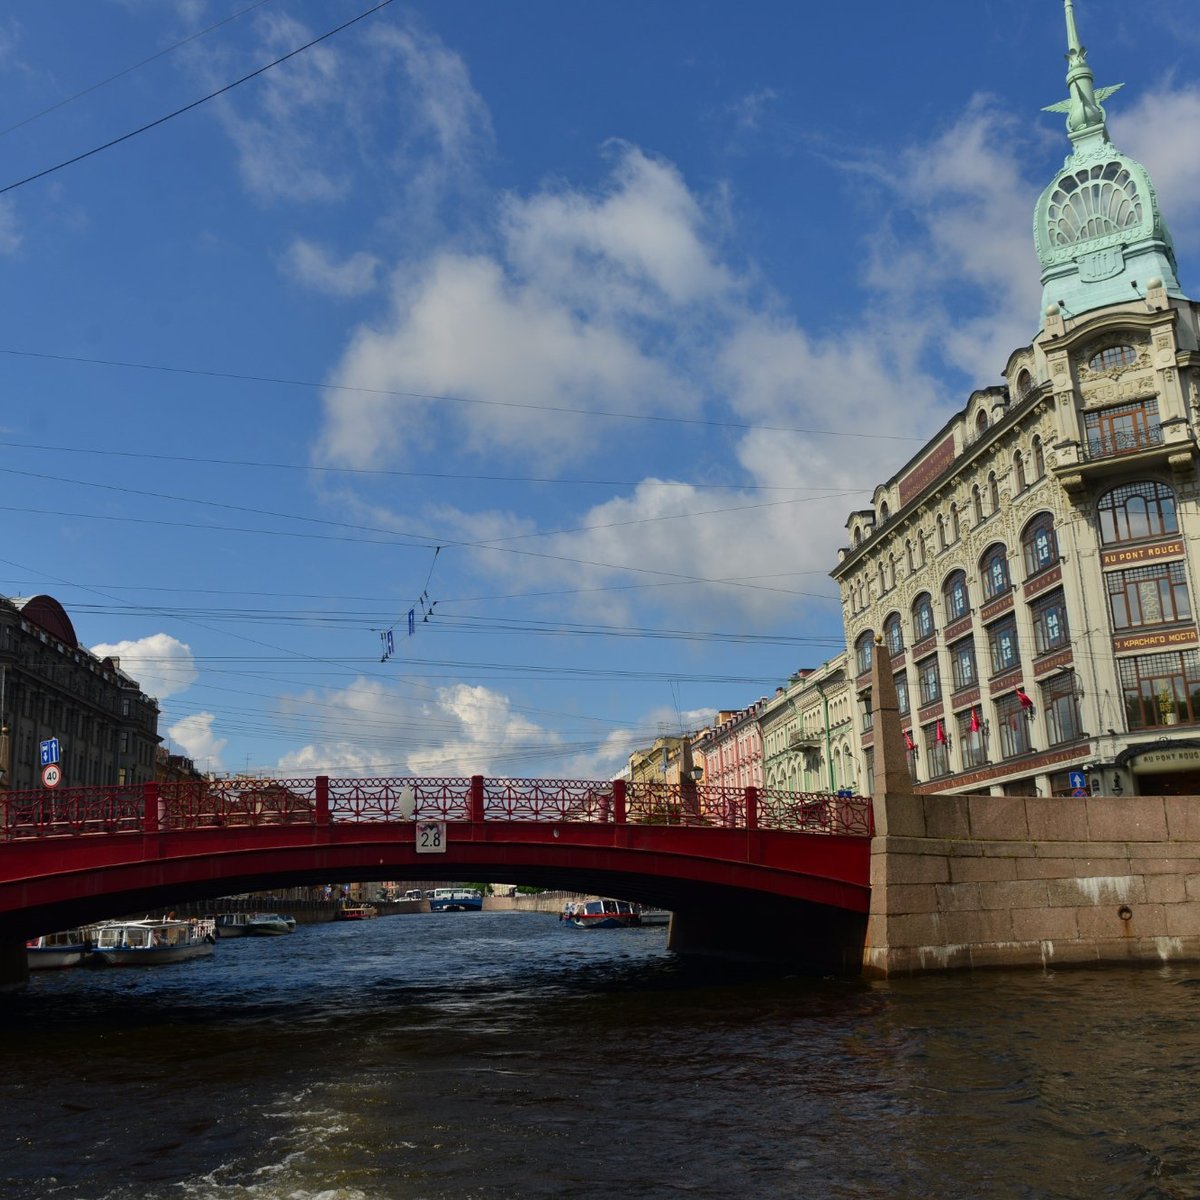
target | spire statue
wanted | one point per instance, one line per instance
(1085, 116)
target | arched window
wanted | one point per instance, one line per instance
(857, 536)
(908, 556)
(921, 551)
(993, 567)
(1113, 357)
(1039, 545)
(883, 584)
(1019, 471)
(1039, 459)
(954, 593)
(1135, 511)
(955, 524)
(1024, 385)
(941, 532)
(922, 613)
(893, 634)
(862, 651)
(981, 423)
(977, 504)
(892, 569)
(883, 511)
(993, 492)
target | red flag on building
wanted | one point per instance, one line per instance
(1024, 699)
(974, 720)
(908, 742)
(941, 734)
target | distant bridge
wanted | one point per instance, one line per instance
(749, 870)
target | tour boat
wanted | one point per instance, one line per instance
(456, 900)
(235, 924)
(150, 942)
(601, 913)
(54, 950)
(356, 912)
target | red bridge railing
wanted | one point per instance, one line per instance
(321, 800)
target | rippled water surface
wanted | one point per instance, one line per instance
(503, 1055)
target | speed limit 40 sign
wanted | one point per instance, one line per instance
(51, 775)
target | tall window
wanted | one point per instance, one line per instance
(1039, 458)
(936, 746)
(994, 569)
(993, 492)
(981, 423)
(928, 679)
(1061, 707)
(1039, 545)
(893, 634)
(962, 663)
(1123, 429)
(1155, 595)
(902, 703)
(956, 597)
(941, 532)
(972, 737)
(1050, 629)
(1014, 726)
(909, 557)
(955, 524)
(862, 651)
(1002, 645)
(977, 504)
(922, 617)
(1161, 689)
(1019, 471)
(1135, 511)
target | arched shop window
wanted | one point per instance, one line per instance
(954, 592)
(862, 651)
(1135, 512)
(993, 567)
(922, 617)
(893, 634)
(1039, 545)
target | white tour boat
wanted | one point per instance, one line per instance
(150, 941)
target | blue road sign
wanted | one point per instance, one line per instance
(1078, 782)
(49, 751)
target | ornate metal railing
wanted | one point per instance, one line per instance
(229, 803)
(1122, 441)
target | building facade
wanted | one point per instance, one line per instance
(809, 736)
(1031, 573)
(54, 689)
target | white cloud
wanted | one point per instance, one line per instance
(1162, 131)
(162, 665)
(462, 730)
(195, 735)
(312, 265)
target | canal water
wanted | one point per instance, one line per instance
(502, 1055)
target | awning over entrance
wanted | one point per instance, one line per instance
(1164, 757)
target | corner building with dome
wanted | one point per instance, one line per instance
(1031, 573)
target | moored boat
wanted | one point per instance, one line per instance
(601, 913)
(356, 912)
(150, 942)
(234, 924)
(268, 925)
(53, 951)
(456, 900)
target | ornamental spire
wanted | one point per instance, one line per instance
(1085, 116)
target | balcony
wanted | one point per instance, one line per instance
(1113, 442)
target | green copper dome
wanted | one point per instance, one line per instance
(1097, 227)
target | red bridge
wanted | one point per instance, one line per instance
(753, 871)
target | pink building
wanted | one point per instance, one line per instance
(733, 749)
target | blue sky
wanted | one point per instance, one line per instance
(622, 306)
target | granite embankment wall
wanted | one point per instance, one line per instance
(998, 881)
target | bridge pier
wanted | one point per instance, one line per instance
(791, 933)
(14, 965)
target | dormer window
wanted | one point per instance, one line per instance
(981, 423)
(1024, 385)
(1113, 358)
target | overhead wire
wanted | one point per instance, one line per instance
(194, 104)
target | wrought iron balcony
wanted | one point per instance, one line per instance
(1121, 441)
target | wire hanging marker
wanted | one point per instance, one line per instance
(423, 603)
